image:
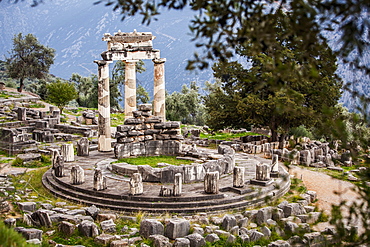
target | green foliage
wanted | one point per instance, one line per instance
(28, 59)
(300, 131)
(282, 89)
(87, 88)
(153, 160)
(60, 93)
(185, 106)
(11, 238)
(142, 96)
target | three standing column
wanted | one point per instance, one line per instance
(104, 131)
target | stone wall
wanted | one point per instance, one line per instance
(146, 135)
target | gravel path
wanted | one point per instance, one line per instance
(329, 190)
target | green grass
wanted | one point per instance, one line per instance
(117, 119)
(45, 161)
(226, 136)
(37, 105)
(153, 160)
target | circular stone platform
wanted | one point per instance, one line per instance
(192, 200)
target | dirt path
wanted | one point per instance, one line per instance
(329, 190)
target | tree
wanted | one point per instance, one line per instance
(185, 106)
(60, 93)
(85, 89)
(283, 88)
(142, 96)
(28, 59)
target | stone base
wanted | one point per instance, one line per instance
(104, 144)
(274, 174)
(261, 183)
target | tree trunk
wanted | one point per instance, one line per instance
(20, 88)
(282, 140)
(273, 135)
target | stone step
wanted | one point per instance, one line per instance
(172, 202)
(220, 204)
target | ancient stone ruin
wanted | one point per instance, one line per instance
(130, 48)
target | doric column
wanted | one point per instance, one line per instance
(130, 88)
(104, 131)
(159, 107)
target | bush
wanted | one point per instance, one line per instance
(11, 238)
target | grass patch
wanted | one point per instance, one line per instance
(33, 181)
(37, 105)
(226, 136)
(45, 161)
(154, 160)
(117, 119)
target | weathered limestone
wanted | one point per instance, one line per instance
(130, 88)
(67, 152)
(211, 182)
(67, 228)
(177, 228)
(239, 177)
(83, 147)
(88, 228)
(21, 114)
(262, 172)
(159, 108)
(104, 131)
(59, 166)
(275, 163)
(54, 154)
(77, 175)
(177, 187)
(136, 184)
(100, 182)
(262, 175)
(151, 227)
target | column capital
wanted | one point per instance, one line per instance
(159, 60)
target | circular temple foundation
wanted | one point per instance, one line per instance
(193, 199)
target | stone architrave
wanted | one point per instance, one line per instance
(238, 177)
(77, 175)
(159, 108)
(136, 184)
(104, 130)
(83, 147)
(100, 182)
(177, 187)
(21, 114)
(211, 182)
(67, 151)
(130, 88)
(59, 166)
